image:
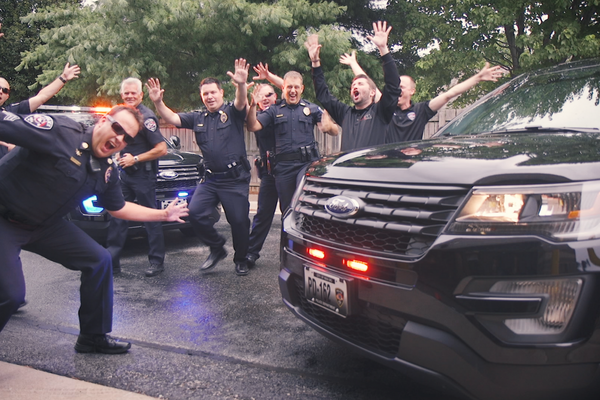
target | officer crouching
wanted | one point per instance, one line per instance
(66, 163)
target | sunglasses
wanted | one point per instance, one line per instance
(127, 138)
(5, 90)
(269, 95)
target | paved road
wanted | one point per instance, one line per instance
(211, 336)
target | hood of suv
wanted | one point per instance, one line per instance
(485, 159)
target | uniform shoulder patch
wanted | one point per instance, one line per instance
(150, 124)
(8, 116)
(40, 121)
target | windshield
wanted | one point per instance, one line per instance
(565, 98)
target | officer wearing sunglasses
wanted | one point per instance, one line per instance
(65, 164)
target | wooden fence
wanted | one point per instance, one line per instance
(327, 144)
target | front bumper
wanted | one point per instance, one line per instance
(416, 326)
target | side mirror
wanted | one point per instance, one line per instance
(176, 142)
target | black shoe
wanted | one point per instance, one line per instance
(251, 260)
(100, 344)
(241, 268)
(214, 257)
(154, 270)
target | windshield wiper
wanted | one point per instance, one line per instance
(539, 128)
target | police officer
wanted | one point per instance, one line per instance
(219, 131)
(364, 124)
(264, 95)
(139, 165)
(66, 164)
(30, 105)
(293, 121)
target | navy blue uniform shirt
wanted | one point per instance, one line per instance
(408, 125)
(220, 135)
(56, 175)
(293, 125)
(148, 137)
(16, 108)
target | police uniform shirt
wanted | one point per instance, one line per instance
(220, 135)
(265, 138)
(408, 125)
(16, 108)
(57, 173)
(293, 124)
(148, 137)
(362, 128)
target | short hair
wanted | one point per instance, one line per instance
(131, 110)
(132, 81)
(370, 82)
(413, 85)
(292, 74)
(258, 87)
(208, 81)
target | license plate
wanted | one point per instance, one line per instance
(165, 203)
(326, 290)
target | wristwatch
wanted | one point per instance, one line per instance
(135, 159)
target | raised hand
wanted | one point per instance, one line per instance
(262, 70)
(313, 47)
(154, 91)
(241, 71)
(71, 71)
(380, 36)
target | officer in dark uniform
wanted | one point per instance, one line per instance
(66, 163)
(139, 166)
(219, 133)
(264, 96)
(293, 121)
(32, 104)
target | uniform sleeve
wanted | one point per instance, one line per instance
(336, 108)
(187, 120)
(266, 117)
(112, 198)
(391, 90)
(33, 132)
(153, 134)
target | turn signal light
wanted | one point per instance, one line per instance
(357, 265)
(316, 253)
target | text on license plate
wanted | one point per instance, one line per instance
(326, 290)
(165, 203)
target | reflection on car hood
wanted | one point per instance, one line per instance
(174, 157)
(489, 159)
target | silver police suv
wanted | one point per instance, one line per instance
(470, 261)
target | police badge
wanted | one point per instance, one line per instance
(150, 124)
(306, 111)
(224, 116)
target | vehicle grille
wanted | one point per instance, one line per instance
(188, 177)
(380, 333)
(399, 219)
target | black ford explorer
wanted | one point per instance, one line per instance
(179, 172)
(470, 261)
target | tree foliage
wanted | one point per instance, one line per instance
(180, 42)
(519, 35)
(18, 38)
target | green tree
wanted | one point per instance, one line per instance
(18, 38)
(519, 35)
(180, 42)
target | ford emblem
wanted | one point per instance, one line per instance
(168, 174)
(343, 206)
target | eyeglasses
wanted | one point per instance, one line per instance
(5, 90)
(127, 138)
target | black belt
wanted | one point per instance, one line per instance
(232, 172)
(304, 154)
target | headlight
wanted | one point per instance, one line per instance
(559, 212)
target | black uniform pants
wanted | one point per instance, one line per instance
(287, 178)
(261, 223)
(66, 244)
(140, 187)
(233, 196)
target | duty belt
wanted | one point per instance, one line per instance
(234, 171)
(304, 154)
